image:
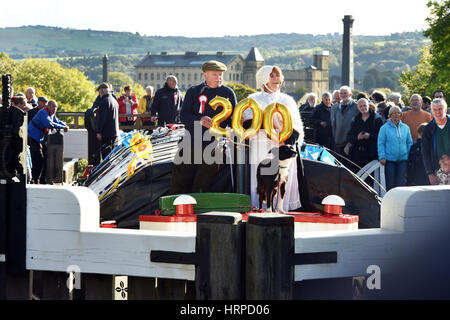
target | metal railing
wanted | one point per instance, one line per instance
(74, 122)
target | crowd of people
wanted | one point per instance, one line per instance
(412, 141)
(41, 115)
(158, 108)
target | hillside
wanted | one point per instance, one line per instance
(83, 48)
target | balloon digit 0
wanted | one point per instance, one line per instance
(256, 121)
(268, 123)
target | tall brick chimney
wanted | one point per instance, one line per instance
(347, 76)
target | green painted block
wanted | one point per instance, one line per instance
(206, 202)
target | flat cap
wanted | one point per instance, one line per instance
(43, 99)
(103, 86)
(214, 65)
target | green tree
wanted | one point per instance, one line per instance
(372, 78)
(433, 69)
(69, 87)
(420, 80)
(439, 33)
(242, 90)
(375, 78)
(120, 79)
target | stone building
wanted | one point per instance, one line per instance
(314, 78)
(154, 69)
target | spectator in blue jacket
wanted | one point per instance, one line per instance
(394, 143)
(39, 126)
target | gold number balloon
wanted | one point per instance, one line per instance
(227, 108)
(237, 117)
(268, 122)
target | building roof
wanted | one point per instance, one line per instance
(254, 55)
(189, 59)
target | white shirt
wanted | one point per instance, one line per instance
(260, 145)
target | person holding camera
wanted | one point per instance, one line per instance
(363, 135)
(128, 104)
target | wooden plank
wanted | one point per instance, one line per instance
(63, 230)
(356, 250)
(269, 249)
(141, 288)
(429, 203)
(54, 286)
(412, 219)
(170, 289)
(97, 286)
(220, 251)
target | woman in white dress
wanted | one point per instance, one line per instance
(269, 80)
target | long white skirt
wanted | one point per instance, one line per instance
(259, 150)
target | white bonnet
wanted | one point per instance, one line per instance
(263, 76)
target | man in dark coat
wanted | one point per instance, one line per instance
(321, 119)
(192, 172)
(363, 136)
(42, 103)
(436, 139)
(107, 120)
(167, 103)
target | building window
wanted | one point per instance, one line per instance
(158, 76)
(189, 77)
(238, 67)
(146, 76)
(164, 76)
(152, 76)
(158, 86)
(237, 77)
(139, 76)
(195, 77)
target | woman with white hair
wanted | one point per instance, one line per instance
(394, 143)
(310, 104)
(269, 80)
(31, 97)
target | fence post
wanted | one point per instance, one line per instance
(219, 248)
(141, 288)
(14, 279)
(53, 286)
(269, 271)
(97, 286)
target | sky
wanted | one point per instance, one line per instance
(205, 18)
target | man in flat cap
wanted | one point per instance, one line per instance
(107, 120)
(190, 174)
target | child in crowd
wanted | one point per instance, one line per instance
(416, 175)
(444, 172)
